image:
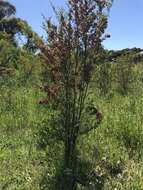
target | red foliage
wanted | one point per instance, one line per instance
(99, 116)
(80, 32)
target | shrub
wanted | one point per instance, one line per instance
(124, 74)
(104, 78)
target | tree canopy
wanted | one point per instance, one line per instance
(6, 9)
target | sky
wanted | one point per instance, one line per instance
(125, 20)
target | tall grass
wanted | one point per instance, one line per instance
(114, 151)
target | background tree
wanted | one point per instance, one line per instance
(7, 20)
(15, 27)
(6, 9)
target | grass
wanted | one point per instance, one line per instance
(115, 149)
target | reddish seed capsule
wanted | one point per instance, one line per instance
(99, 116)
(44, 101)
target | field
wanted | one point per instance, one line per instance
(71, 111)
(114, 150)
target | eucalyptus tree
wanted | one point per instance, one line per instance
(6, 9)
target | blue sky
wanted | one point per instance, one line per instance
(125, 20)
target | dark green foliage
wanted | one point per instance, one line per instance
(6, 9)
(14, 27)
